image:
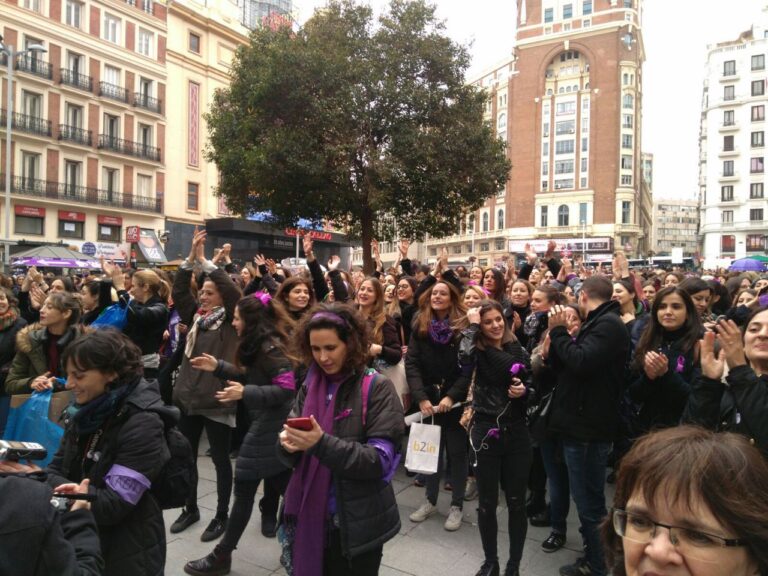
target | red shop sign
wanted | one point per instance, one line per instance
(314, 234)
(110, 220)
(132, 234)
(31, 211)
(71, 216)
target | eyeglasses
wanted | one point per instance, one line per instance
(403, 286)
(692, 544)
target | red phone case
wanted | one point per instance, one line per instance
(300, 423)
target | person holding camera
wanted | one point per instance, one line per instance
(38, 538)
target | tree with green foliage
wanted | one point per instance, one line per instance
(366, 123)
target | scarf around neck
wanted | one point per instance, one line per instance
(440, 331)
(212, 320)
(90, 417)
(8, 319)
(306, 498)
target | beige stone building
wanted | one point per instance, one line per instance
(675, 225)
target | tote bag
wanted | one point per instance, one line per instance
(423, 448)
(29, 423)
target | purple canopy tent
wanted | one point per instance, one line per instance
(54, 257)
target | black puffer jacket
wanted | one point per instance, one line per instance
(365, 505)
(491, 369)
(590, 372)
(132, 535)
(8, 349)
(740, 407)
(146, 323)
(268, 405)
(433, 370)
(38, 540)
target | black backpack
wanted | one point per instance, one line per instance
(174, 484)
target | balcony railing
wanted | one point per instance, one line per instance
(113, 92)
(129, 147)
(80, 194)
(72, 78)
(25, 123)
(148, 102)
(75, 134)
(34, 66)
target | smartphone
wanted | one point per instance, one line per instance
(13, 450)
(300, 423)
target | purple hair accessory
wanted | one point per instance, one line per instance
(331, 317)
(494, 433)
(344, 414)
(264, 297)
(680, 364)
(517, 368)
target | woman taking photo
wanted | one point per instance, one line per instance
(39, 347)
(690, 502)
(666, 360)
(114, 437)
(500, 369)
(433, 374)
(263, 380)
(195, 393)
(344, 463)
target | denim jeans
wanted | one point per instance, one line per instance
(559, 489)
(586, 463)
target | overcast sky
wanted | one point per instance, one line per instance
(676, 34)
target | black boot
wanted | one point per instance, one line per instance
(536, 503)
(512, 569)
(215, 564)
(268, 521)
(489, 568)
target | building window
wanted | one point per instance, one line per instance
(144, 186)
(112, 75)
(456, 249)
(586, 8)
(758, 62)
(32, 225)
(567, 11)
(564, 184)
(727, 143)
(729, 92)
(729, 118)
(544, 216)
(628, 102)
(729, 68)
(626, 141)
(758, 113)
(583, 213)
(626, 180)
(499, 244)
(471, 224)
(757, 139)
(728, 168)
(30, 170)
(500, 220)
(627, 120)
(108, 233)
(71, 229)
(485, 222)
(628, 4)
(73, 13)
(626, 209)
(146, 43)
(545, 168)
(549, 14)
(584, 163)
(756, 166)
(562, 215)
(756, 190)
(564, 167)
(584, 144)
(73, 177)
(112, 127)
(756, 215)
(758, 87)
(112, 27)
(755, 242)
(565, 147)
(565, 127)
(626, 162)
(726, 193)
(194, 43)
(193, 191)
(565, 108)
(110, 182)
(728, 243)
(727, 217)
(32, 5)
(484, 246)
(545, 149)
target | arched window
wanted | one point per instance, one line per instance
(629, 101)
(485, 221)
(500, 220)
(471, 227)
(562, 215)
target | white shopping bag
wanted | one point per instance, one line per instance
(423, 448)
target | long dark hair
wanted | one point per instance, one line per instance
(263, 323)
(105, 350)
(500, 284)
(289, 284)
(349, 325)
(653, 335)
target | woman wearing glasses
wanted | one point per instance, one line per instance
(689, 501)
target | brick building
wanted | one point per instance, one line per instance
(88, 121)
(568, 102)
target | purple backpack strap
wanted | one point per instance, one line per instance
(368, 378)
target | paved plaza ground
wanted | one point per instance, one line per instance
(424, 549)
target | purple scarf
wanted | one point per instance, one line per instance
(306, 498)
(440, 331)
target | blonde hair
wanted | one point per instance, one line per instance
(153, 282)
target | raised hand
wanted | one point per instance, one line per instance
(259, 260)
(551, 247)
(333, 262)
(403, 248)
(205, 362)
(271, 266)
(730, 338)
(308, 245)
(530, 255)
(712, 366)
(36, 297)
(473, 315)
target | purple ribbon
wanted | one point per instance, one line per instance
(680, 364)
(517, 368)
(344, 414)
(494, 433)
(264, 297)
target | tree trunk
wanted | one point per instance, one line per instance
(366, 226)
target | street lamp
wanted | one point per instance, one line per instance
(11, 56)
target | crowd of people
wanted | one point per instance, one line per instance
(546, 380)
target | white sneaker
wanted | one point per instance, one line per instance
(425, 511)
(470, 490)
(453, 522)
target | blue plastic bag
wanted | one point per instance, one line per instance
(29, 423)
(114, 316)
